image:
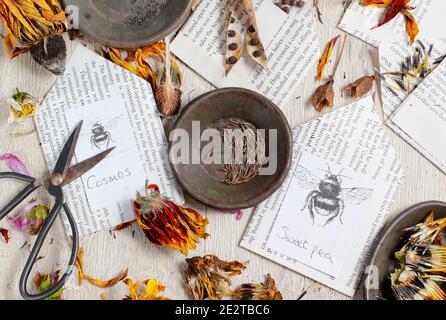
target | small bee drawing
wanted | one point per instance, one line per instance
(100, 135)
(328, 195)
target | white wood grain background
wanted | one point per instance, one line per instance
(107, 254)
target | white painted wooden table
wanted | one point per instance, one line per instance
(106, 254)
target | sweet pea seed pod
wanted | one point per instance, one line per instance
(324, 96)
(234, 42)
(255, 47)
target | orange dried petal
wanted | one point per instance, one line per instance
(326, 57)
(411, 25)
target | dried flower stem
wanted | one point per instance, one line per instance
(341, 54)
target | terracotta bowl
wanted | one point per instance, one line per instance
(203, 182)
(391, 241)
(128, 23)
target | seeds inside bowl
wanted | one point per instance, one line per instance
(143, 10)
(247, 151)
(420, 272)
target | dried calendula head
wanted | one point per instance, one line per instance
(168, 224)
(151, 291)
(36, 25)
(208, 277)
(409, 285)
(324, 96)
(259, 291)
(361, 86)
(45, 282)
(22, 106)
(428, 231)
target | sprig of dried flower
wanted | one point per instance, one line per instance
(152, 290)
(45, 282)
(324, 95)
(394, 7)
(150, 63)
(96, 282)
(32, 218)
(36, 25)
(208, 277)
(259, 291)
(22, 106)
(361, 86)
(5, 234)
(168, 224)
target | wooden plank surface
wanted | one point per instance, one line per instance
(107, 254)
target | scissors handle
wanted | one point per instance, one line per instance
(32, 186)
(38, 245)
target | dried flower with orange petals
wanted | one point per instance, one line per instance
(394, 7)
(96, 282)
(48, 281)
(326, 58)
(152, 290)
(361, 86)
(168, 224)
(34, 23)
(259, 291)
(208, 277)
(151, 63)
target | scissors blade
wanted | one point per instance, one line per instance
(83, 167)
(67, 153)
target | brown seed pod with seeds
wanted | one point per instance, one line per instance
(253, 42)
(234, 43)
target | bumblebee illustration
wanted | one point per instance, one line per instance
(100, 134)
(328, 195)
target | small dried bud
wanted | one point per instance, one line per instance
(361, 86)
(259, 291)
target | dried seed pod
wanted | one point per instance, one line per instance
(253, 42)
(208, 277)
(361, 86)
(259, 291)
(51, 53)
(324, 96)
(234, 42)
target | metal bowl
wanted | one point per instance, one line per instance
(383, 262)
(128, 23)
(200, 181)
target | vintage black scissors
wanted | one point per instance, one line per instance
(62, 175)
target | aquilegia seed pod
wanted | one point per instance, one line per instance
(168, 224)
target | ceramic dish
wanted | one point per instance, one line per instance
(200, 181)
(392, 241)
(128, 23)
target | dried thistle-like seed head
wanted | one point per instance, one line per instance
(51, 53)
(208, 277)
(259, 291)
(324, 96)
(361, 86)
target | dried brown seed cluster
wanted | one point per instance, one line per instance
(285, 5)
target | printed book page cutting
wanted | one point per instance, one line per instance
(290, 41)
(360, 21)
(323, 220)
(118, 110)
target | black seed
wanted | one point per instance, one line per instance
(251, 29)
(232, 60)
(254, 42)
(233, 46)
(257, 53)
(232, 20)
(231, 33)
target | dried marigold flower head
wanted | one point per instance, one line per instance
(208, 277)
(152, 289)
(30, 21)
(168, 224)
(259, 291)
